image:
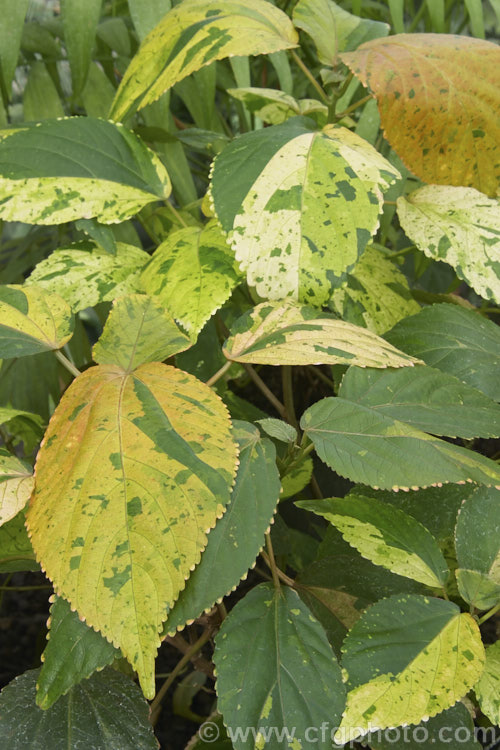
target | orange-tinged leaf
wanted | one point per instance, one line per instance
(133, 472)
(439, 104)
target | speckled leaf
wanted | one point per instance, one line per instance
(488, 688)
(79, 20)
(454, 340)
(133, 472)
(439, 104)
(16, 552)
(429, 400)
(131, 334)
(238, 536)
(32, 321)
(285, 333)
(333, 29)
(385, 535)
(274, 106)
(76, 168)
(192, 274)
(85, 274)
(367, 447)
(16, 485)
(289, 678)
(302, 207)
(459, 226)
(407, 658)
(73, 652)
(375, 294)
(105, 712)
(194, 34)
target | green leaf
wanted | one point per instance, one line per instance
(488, 688)
(454, 340)
(79, 20)
(407, 658)
(365, 446)
(333, 29)
(11, 30)
(77, 167)
(385, 535)
(289, 679)
(32, 321)
(40, 98)
(478, 589)
(278, 430)
(133, 472)
(16, 552)
(73, 652)
(375, 295)
(212, 731)
(194, 34)
(146, 15)
(98, 92)
(192, 274)
(298, 478)
(285, 333)
(299, 206)
(274, 106)
(429, 400)
(22, 391)
(459, 226)
(130, 336)
(16, 485)
(235, 542)
(85, 274)
(104, 712)
(100, 233)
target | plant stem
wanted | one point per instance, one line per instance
(265, 390)
(67, 363)
(322, 376)
(430, 297)
(402, 252)
(176, 214)
(310, 76)
(354, 106)
(225, 367)
(286, 376)
(271, 562)
(489, 614)
(279, 573)
(25, 588)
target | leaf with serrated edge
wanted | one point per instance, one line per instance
(438, 100)
(133, 472)
(195, 34)
(286, 333)
(488, 688)
(459, 226)
(32, 321)
(76, 168)
(407, 658)
(16, 486)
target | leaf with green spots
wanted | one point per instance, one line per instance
(365, 446)
(79, 21)
(16, 552)
(133, 472)
(76, 168)
(407, 658)
(130, 336)
(488, 688)
(285, 333)
(439, 104)
(194, 34)
(16, 485)
(105, 712)
(375, 294)
(238, 536)
(385, 535)
(192, 274)
(333, 29)
(274, 106)
(73, 652)
(454, 340)
(299, 206)
(289, 677)
(429, 400)
(85, 274)
(32, 321)
(459, 226)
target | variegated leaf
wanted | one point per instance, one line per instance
(274, 106)
(133, 472)
(16, 485)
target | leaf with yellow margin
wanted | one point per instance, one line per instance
(16, 485)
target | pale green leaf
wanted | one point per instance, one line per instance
(298, 478)
(289, 677)
(194, 34)
(32, 321)
(98, 92)
(146, 15)
(77, 167)
(488, 688)
(16, 552)
(299, 206)
(11, 29)
(130, 336)
(407, 658)
(477, 589)
(278, 429)
(79, 20)
(16, 485)
(133, 472)
(40, 98)
(274, 106)
(459, 226)
(7, 413)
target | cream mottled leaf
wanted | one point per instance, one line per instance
(138, 330)
(407, 658)
(84, 274)
(192, 274)
(488, 688)
(16, 485)
(194, 34)
(133, 472)
(302, 207)
(274, 106)
(459, 226)
(285, 333)
(76, 168)
(32, 321)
